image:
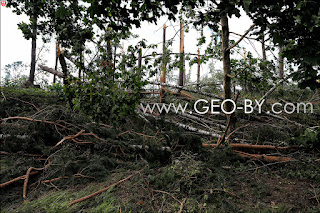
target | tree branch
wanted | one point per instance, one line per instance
(240, 39)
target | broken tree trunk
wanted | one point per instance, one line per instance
(52, 71)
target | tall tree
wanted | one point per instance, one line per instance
(35, 9)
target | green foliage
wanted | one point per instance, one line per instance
(310, 139)
(14, 74)
(58, 201)
(259, 76)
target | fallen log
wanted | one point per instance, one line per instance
(250, 146)
(190, 128)
(186, 89)
(266, 158)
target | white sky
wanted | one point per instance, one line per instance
(14, 47)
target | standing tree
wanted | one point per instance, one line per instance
(35, 9)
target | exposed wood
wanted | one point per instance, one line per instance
(16, 179)
(52, 71)
(103, 190)
(181, 205)
(266, 158)
(251, 146)
(181, 73)
(25, 184)
(71, 137)
(164, 66)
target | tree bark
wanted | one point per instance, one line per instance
(56, 64)
(33, 50)
(181, 73)
(264, 56)
(65, 78)
(226, 61)
(198, 73)
(280, 63)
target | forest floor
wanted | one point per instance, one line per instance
(151, 165)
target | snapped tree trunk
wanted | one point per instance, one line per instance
(66, 82)
(56, 64)
(33, 50)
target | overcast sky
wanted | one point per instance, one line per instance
(14, 47)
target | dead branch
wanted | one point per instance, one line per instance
(190, 128)
(16, 179)
(71, 137)
(240, 39)
(103, 190)
(24, 194)
(24, 102)
(30, 119)
(181, 205)
(272, 89)
(193, 129)
(164, 192)
(227, 138)
(266, 158)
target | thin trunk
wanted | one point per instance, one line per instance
(181, 73)
(280, 63)
(264, 56)
(198, 74)
(56, 64)
(33, 50)
(140, 58)
(164, 67)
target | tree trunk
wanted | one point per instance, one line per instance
(164, 66)
(181, 73)
(66, 82)
(264, 56)
(56, 64)
(198, 73)
(226, 61)
(280, 63)
(33, 50)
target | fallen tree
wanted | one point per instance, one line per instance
(250, 146)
